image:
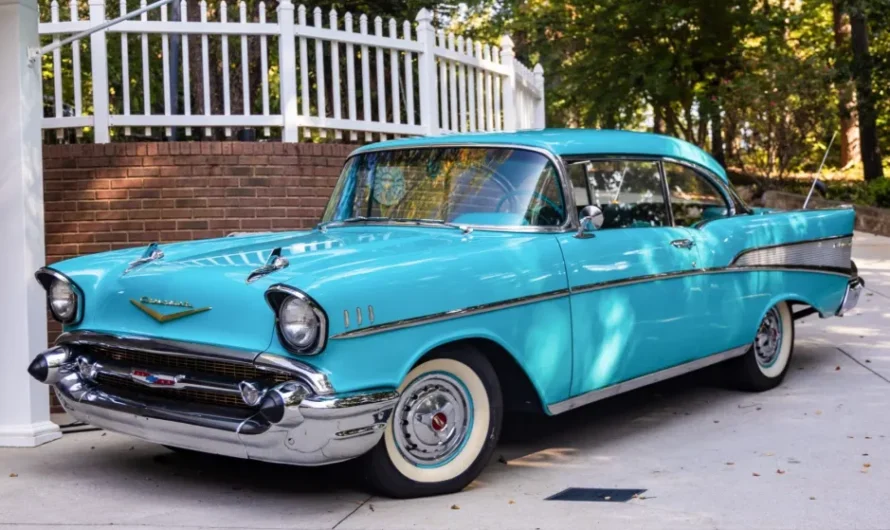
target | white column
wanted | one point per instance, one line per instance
(508, 85)
(426, 73)
(540, 111)
(24, 403)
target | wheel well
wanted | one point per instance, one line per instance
(518, 391)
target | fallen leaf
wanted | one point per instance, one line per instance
(850, 437)
(371, 507)
(716, 421)
(758, 408)
(730, 463)
(455, 507)
(812, 498)
(868, 437)
(868, 360)
(864, 454)
(818, 412)
(104, 433)
(837, 368)
(769, 454)
(755, 474)
(511, 502)
(780, 471)
(13, 475)
(866, 465)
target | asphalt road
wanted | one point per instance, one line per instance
(814, 453)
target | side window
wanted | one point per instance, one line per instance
(693, 197)
(629, 192)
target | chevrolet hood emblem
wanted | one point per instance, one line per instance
(144, 303)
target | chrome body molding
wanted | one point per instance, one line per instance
(306, 429)
(448, 315)
(655, 377)
(792, 263)
(830, 253)
(274, 263)
(317, 381)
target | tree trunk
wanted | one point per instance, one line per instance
(658, 120)
(862, 72)
(849, 119)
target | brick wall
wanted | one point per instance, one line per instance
(105, 197)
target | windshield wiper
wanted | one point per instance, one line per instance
(361, 218)
(463, 228)
(356, 219)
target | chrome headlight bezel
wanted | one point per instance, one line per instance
(277, 296)
(49, 277)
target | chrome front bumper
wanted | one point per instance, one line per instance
(305, 429)
(851, 295)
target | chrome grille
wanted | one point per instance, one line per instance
(234, 370)
(203, 397)
(228, 370)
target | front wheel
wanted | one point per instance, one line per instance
(766, 362)
(442, 431)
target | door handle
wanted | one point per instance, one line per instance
(683, 243)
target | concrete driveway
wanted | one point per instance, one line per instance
(814, 453)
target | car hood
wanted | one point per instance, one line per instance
(385, 273)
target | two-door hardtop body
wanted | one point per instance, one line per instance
(450, 277)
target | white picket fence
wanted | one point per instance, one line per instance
(424, 82)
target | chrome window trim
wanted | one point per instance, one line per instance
(570, 224)
(648, 379)
(44, 276)
(276, 295)
(722, 187)
(264, 361)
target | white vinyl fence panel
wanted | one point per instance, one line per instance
(390, 79)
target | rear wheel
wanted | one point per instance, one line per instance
(766, 362)
(442, 431)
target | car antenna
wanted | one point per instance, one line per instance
(819, 172)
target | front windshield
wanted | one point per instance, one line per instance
(479, 186)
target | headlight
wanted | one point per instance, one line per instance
(62, 300)
(299, 325)
(302, 324)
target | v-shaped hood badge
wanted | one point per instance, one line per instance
(144, 302)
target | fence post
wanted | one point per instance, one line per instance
(509, 83)
(287, 70)
(540, 120)
(99, 70)
(426, 70)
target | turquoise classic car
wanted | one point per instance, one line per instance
(450, 279)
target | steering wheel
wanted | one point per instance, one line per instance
(532, 213)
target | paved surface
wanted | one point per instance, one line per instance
(814, 453)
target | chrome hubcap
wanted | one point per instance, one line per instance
(769, 339)
(432, 419)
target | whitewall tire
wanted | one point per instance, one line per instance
(443, 430)
(766, 362)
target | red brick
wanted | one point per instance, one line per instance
(256, 224)
(191, 225)
(93, 248)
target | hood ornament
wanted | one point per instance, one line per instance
(189, 310)
(274, 263)
(152, 253)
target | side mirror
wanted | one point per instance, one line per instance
(591, 219)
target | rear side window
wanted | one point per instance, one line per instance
(694, 198)
(629, 192)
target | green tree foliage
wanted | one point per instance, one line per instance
(754, 81)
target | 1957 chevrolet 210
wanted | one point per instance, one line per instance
(450, 278)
